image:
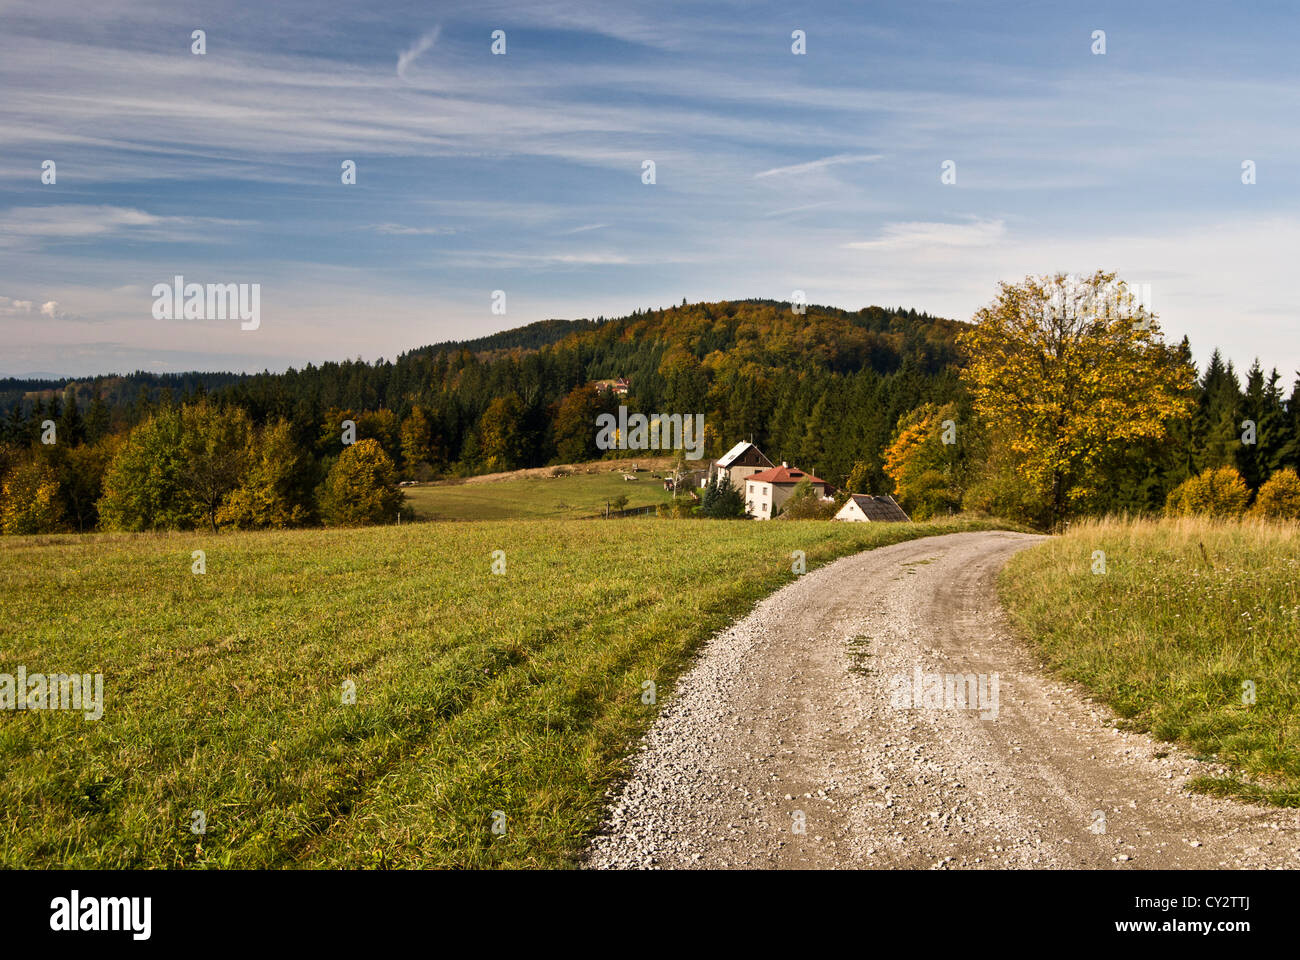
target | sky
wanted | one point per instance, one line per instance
(524, 172)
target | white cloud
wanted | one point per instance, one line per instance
(72, 221)
(14, 308)
(20, 309)
(917, 233)
(408, 56)
(401, 230)
(824, 162)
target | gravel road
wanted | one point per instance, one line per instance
(794, 717)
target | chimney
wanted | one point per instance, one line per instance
(784, 464)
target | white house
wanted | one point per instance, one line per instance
(767, 490)
(864, 508)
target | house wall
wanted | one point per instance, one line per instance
(739, 474)
(852, 513)
(768, 498)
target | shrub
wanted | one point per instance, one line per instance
(31, 499)
(804, 504)
(720, 500)
(1217, 492)
(1279, 497)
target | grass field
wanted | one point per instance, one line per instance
(1188, 615)
(475, 693)
(571, 497)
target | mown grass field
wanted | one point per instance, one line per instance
(1186, 614)
(475, 693)
(571, 497)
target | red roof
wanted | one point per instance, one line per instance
(783, 475)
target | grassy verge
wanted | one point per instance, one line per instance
(1191, 620)
(475, 693)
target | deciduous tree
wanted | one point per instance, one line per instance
(1064, 370)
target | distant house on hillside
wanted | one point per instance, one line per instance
(618, 387)
(767, 490)
(864, 508)
(741, 461)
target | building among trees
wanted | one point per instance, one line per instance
(767, 490)
(864, 508)
(738, 464)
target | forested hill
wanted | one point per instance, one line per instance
(825, 336)
(822, 388)
(819, 388)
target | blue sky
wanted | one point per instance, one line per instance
(522, 172)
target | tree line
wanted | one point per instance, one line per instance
(1036, 421)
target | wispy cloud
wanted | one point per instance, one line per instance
(411, 53)
(838, 160)
(78, 222)
(421, 46)
(402, 230)
(896, 236)
(522, 160)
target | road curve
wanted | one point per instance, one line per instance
(794, 717)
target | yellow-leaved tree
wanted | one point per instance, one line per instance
(1064, 371)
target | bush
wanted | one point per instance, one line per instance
(1002, 494)
(721, 500)
(31, 499)
(1214, 493)
(804, 504)
(361, 487)
(1279, 497)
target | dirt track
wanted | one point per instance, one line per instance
(789, 711)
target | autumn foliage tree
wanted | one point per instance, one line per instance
(273, 491)
(361, 487)
(575, 424)
(419, 449)
(31, 498)
(176, 468)
(924, 468)
(142, 488)
(1063, 371)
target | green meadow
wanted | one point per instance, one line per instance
(1191, 633)
(480, 699)
(568, 497)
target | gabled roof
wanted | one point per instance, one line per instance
(726, 459)
(879, 508)
(783, 475)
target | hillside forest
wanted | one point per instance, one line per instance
(1007, 415)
